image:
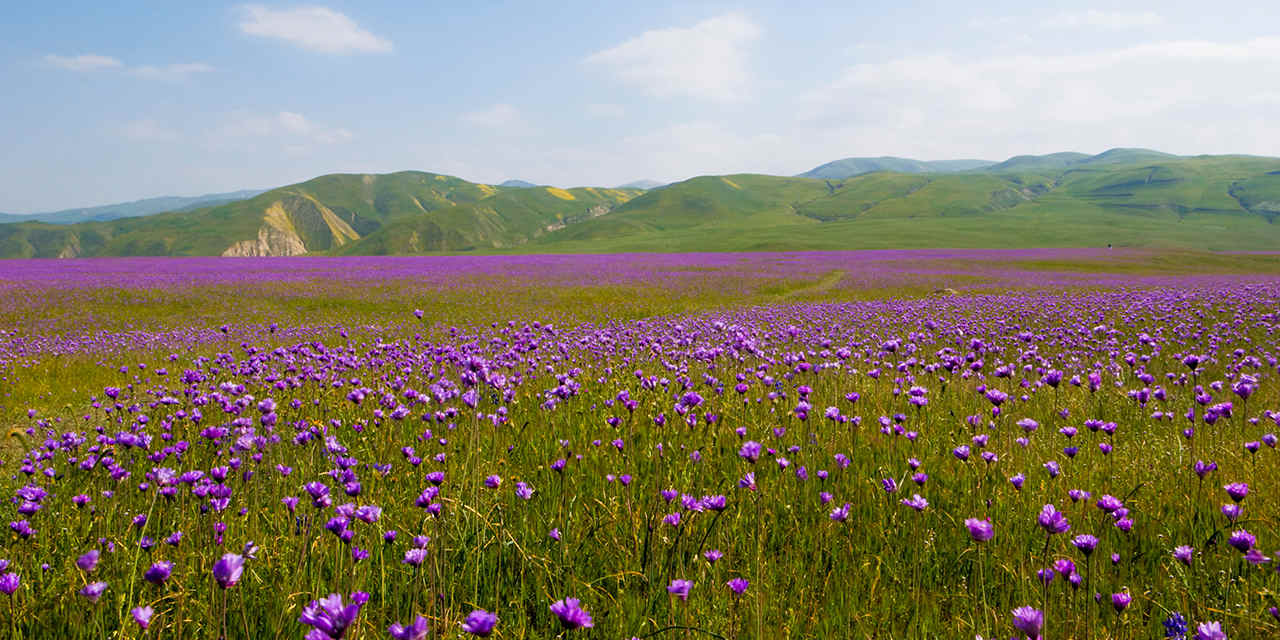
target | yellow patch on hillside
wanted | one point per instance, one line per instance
(731, 183)
(592, 191)
(440, 178)
(619, 195)
(278, 218)
(487, 190)
(341, 231)
(560, 193)
(367, 179)
(419, 203)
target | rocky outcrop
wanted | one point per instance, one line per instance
(270, 242)
(276, 237)
(71, 249)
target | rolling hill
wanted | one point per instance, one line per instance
(1122, 197)
(325, 215)
(850, 167)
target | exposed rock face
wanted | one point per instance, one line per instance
(72, 249)
(270, 242)
(276, 237)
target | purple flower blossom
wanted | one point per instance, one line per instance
(89, 561)
(93, 591)
(329, 617)
(1242, 540)
(1237, 490)
(228, 569)
(1210, 631)
(1028, 620)
(1052, 520)
(916, 502)
(680, 588)
(980, 530)
(480, 623)
(1184, 553)
(1121, 601)
(9, 582)
(571, 614)
(1085, 543)
(158, 572)
(841, 514)
(142, 616)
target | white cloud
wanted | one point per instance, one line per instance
(312, 28)
(498, 116)
(94, 62)
(709, 60)
(704, 148)
(282, 126)
(149, 130)
(84, 62)
(605, 110)
(1090, 18)
(177, 71)
(944, 105)
(1106, 19)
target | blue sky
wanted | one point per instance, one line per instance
(108, 102)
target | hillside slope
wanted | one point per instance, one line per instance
(325, 215)
(1123, 197)
(850, 167)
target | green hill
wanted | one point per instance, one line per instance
(327, 214)
(1123, 197)
(850, 167)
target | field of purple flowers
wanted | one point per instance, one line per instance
(1041, 444)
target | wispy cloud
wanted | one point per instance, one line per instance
(83, 62)
(176, 71)
(1086, 19)
(498, 116)
(312, 28)
(1105, 19)
(605, 110)
(1111, 97)
(149, 130)
(709, 60)
(92, 62)
(285, 126)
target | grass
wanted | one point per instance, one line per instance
(885, 570)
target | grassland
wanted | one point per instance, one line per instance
(587, 414)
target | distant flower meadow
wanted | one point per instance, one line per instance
(864, 445)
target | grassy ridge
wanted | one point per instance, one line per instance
(325, 214)
(1123, 197)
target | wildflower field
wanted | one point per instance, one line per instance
(926, 444)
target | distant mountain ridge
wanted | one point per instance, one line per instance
(1121, 197)
(136, 208)
(642, 184)
(850, 167)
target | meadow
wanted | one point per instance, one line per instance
(1055, 443)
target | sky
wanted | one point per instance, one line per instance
(112, 102)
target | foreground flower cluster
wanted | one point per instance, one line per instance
(1049, 465)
